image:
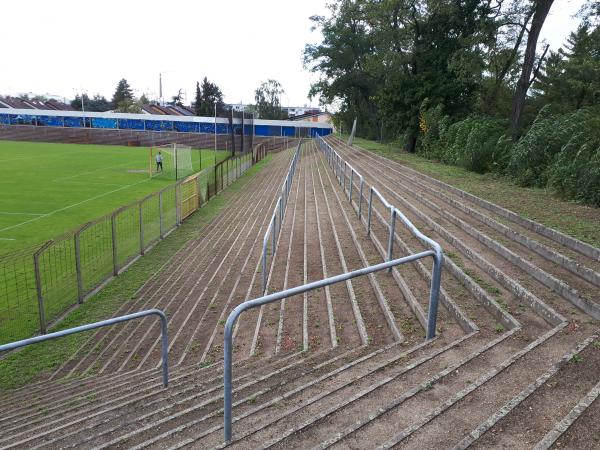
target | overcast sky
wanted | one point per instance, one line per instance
(60, 46)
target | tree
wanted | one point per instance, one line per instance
(198, 101)
(177, 100)
(268, 100)
(502, 58)
(210, 94)
(97, 103)
(76, 102)
(383, 59)
(571, 78)
(123, 94)
(129, 106)
(542, 7)
(349, 71)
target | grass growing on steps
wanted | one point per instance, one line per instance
(579, 221)
(34, 361)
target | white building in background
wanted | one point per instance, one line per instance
(294, 111)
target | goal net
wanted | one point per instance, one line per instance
(176, 161)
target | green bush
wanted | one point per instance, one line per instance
(575, 174)
(560, 151)
(471, 143)
(535, 152)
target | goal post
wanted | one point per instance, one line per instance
(176, 161)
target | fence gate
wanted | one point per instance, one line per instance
(189, 196)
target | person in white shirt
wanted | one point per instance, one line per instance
(159, 160)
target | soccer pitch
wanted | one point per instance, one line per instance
(49, 189)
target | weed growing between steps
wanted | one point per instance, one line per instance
(38, 360)
(579, 221)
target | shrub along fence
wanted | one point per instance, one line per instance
(38, 286)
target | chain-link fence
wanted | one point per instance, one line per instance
(38, 286)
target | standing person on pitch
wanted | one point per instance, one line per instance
(159, 160)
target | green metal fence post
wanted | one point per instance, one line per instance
(160, 214)
(38, 286)
(113, 223)
(141, 218)
(78, 269)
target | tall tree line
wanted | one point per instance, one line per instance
(460, 81)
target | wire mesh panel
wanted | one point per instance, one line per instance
(203, 186)
(151, 220)
(127, 228)
(95, 244)
(18, 301)
(58, 277)
(38, 285)
(210, 183)
(188, 194)
(169, 208)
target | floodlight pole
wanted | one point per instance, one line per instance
(215, 133)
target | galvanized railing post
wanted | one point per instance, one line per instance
(265, 299)
(351, 181)
(280, 206)
(227, 375)
(104, 323)
(360, 198)
(370, 207)
(436, 280)
(113, 226)
(264, 264)
(391, 237)
(274, 236)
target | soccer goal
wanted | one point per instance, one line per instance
(176, 161)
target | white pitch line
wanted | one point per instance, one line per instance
(71, 206)
(20, 213)
(91, 171)
(94, 183)
(7, 239)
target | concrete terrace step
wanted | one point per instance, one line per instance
(334, 383)
(130, 402)
(551, 396)
(185, 416)
(579, 428)
(63, 400)
(520, 254)
(191, 287)
(514, 364)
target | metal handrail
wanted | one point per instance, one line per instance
(104, 323)
(238, 310)
(335, 161)
(275, 224)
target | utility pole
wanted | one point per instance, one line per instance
(160, 94)
(215, 134)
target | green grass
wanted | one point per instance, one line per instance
(579, 221)
(49, 189)
(29, 363)
(52, 176)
